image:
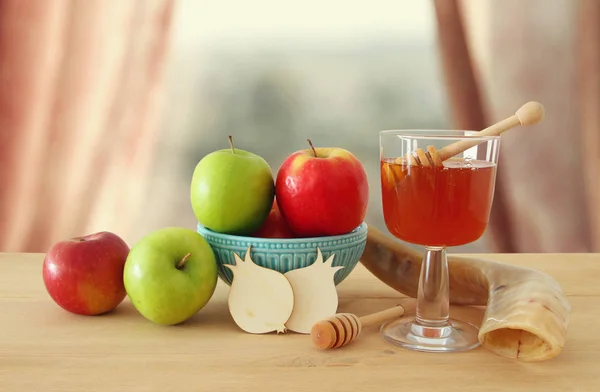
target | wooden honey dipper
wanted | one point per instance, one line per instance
(528, 114)
(343, 328)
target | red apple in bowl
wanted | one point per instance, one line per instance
(84, 275)
(322, 191)
(275, 225)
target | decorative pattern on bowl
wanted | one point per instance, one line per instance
(286, 254)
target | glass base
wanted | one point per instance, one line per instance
(454, 337)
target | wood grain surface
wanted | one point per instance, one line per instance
(43, 348)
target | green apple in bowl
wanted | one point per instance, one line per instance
(232, 191)
(170, 275)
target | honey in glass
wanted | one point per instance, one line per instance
(437, 206)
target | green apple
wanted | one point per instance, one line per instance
(232, 191)
(170, 275)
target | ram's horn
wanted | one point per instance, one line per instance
(526, 316)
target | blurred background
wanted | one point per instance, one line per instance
(106, 106)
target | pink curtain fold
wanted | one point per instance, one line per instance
(80, 98)
(547, 191)
(466, 102)
(588, 55)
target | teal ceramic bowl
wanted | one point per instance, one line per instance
(286, 254)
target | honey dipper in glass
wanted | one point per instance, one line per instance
(437, 190)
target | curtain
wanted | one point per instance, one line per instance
(497, 56)
(81, 86)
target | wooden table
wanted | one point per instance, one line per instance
(45, 348)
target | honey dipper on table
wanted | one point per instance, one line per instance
(343, 328)
(528, 114)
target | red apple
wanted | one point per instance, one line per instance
(275, 225)
(322, 191)
(84, 275)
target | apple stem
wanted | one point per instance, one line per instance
(182, 262)
(231, 143)
(312, 147)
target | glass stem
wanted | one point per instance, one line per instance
(433, 298)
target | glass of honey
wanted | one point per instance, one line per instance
(437, 190)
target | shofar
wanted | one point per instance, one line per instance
(527, 314)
